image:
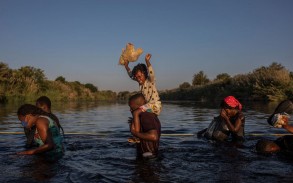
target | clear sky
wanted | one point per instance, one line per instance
(82, 40)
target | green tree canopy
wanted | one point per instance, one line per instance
(222, 77)
(184, 85)
(200, 79)
(61, 79)
(91, 87)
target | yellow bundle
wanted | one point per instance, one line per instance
(130, 53)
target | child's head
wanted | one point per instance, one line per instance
(266, 146)
(231, 105)
(140, 73)
(135, 101)
(44, 103)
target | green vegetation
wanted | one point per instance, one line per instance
(28, 83)
(270, 83)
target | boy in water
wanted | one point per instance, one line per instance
(145, 76)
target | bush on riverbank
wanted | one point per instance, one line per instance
(28, 83)
(270, 83)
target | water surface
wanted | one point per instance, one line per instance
(99, 152)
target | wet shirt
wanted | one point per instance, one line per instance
(57, 138)
(149, 121)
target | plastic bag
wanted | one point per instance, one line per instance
(130, 53)
(277, 120)
(217, 130)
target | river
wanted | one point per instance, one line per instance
(97, 149)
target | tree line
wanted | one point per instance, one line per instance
(28, 83)
(271, 83)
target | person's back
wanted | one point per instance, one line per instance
(145, 126)
(149, 121)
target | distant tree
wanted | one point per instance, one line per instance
(222, 77)
(77, 82)
(61, 79)
(200, 79)
(184, 85)
(5, 72)
(35, 74)
(91, 87)
(124, 95)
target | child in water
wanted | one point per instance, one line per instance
(145, 76)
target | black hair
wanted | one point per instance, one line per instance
(26, 109)
(142, 68)
(44, 100)
(263, 146)
(135, 97)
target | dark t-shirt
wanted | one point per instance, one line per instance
(149, 121)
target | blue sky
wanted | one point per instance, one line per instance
(82, 40)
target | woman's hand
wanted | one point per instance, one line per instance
(223, 114)
(29, 152)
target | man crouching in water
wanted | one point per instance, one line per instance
(150, 128)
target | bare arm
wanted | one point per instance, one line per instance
(128, 70)
(286, 126)
(289, 128)
(151, 135)
(44, 132)
(136, 121)
(147, 59)
(150, 68)
(234, 128)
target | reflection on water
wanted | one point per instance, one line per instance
(105, 156)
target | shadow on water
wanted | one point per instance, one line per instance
(105, 156)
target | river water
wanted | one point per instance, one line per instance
(97, 149)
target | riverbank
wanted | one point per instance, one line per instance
(272, 83)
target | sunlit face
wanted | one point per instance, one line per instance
(140, 77)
